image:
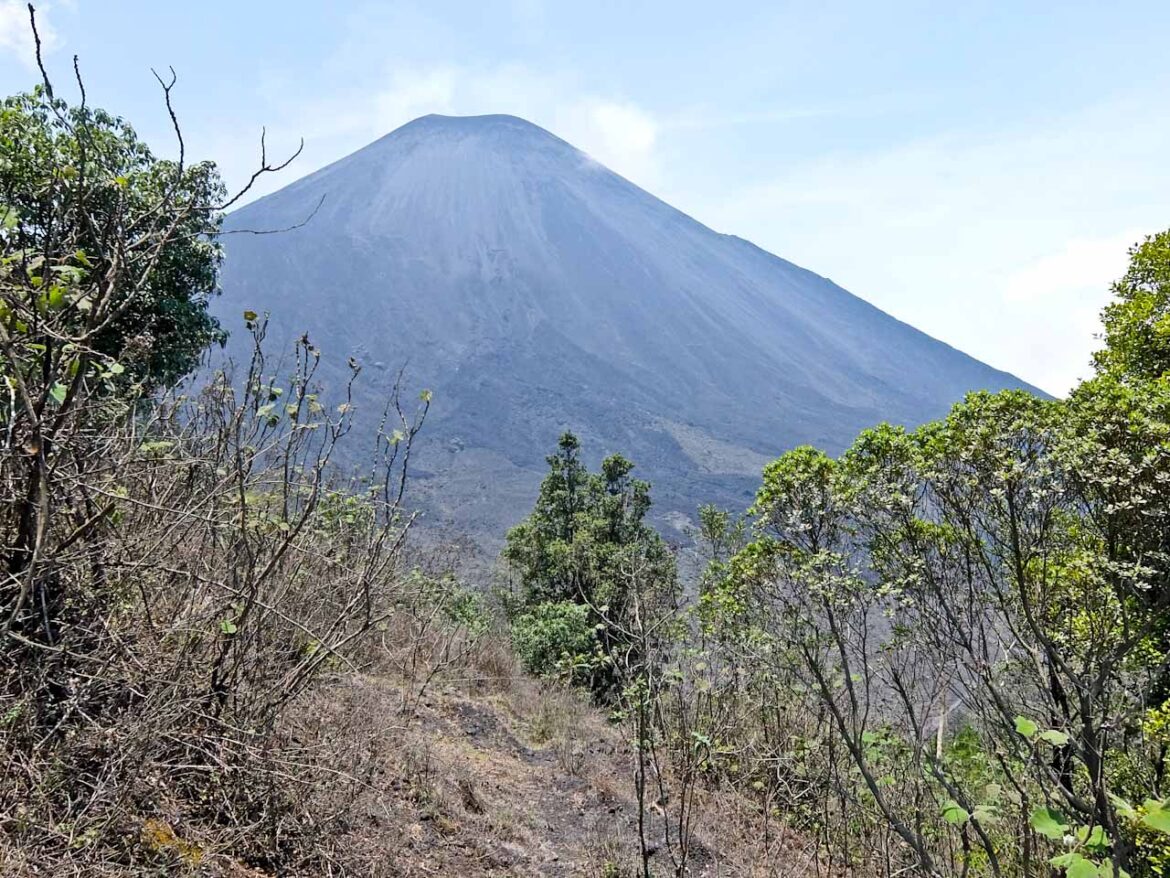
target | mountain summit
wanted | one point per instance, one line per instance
(534, 291)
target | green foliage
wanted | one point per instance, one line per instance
(1010, 559)
(1049, 823)
(1025, 726)
(1137, 322)
(1156, 815)
(1151, 846)
(556, 640)
(94, 220)
(585, 532)
(587, 543)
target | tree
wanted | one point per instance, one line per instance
(556, 639)
(541, 547)
(986, 576)
(980, 609)
(106, 267)
(107, 248)
(176, 568)
(108, 259)
(583, 527)
(587, 542)
(1137, 322)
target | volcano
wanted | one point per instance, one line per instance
(534, 291)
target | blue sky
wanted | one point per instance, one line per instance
(975, 169)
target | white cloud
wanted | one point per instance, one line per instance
(624, 129)
(16, 35)
(615, 132)
(1082, 262)
(414, 94)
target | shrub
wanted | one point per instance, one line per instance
(555, 639)
(207, 593)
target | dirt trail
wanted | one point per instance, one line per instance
(504, 793)
(530, 781)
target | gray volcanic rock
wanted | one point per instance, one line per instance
(536, 291)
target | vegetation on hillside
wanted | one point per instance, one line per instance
(222, 652)
(590, 569)
(178, 567)
(946, 650)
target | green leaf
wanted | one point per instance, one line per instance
(955, 813)
(1076, 865)
(425, 396)
(701, 739)
(1094, 838)
(250, 316)
(57, 392)
(1054, 737)
(1156, 815)
(227, 626)
(1124, 808)
(1049, 823)
(1026, 727)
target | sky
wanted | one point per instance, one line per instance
(978, 170)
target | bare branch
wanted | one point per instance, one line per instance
(167, 87)
(32, 19)
(292, 228)
(264, 168)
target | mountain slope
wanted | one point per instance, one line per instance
(536, 291)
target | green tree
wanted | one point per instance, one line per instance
(587, 542)
(980, 610)
(1137, 321)
(541, 548)
(120, 244)
(556, 639)
(584, 527)
(1000, 566)
(108, 259)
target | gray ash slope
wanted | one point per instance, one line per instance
(534, 291)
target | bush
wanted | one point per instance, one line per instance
(156, 704)
(556, 639)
